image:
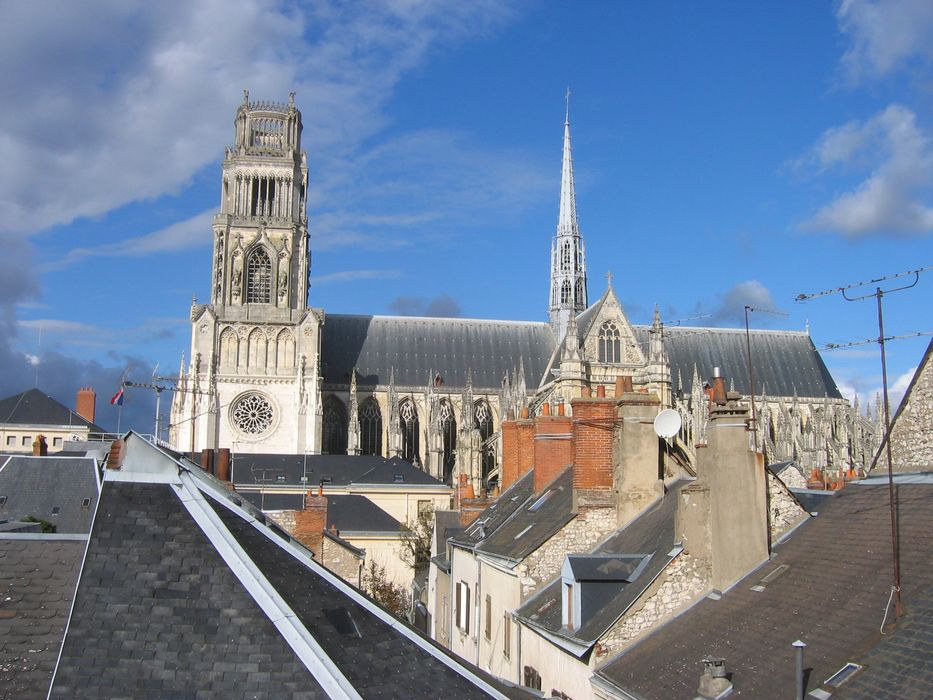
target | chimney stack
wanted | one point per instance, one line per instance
(638, 479)
(40, 447)
(553, 447)
(723, 515)
(518, 449)
(719, 388)
(714, 683)
(86, 403)
(311, 522)
(207, 460)
(222, 464)
(116, 455)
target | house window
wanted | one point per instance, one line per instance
(568, 605)
(27, 440)
(506, 635)
(10, 440)
(56, 442)
(488, 628)
(531, 678)
(463, 607)
(610, 343)
(424, 507)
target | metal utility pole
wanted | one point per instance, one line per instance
(878, 295)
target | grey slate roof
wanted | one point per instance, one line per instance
(652, 533)
(158, 613)
(510, 529)
(355, 514)
(32, 407)
(416, 346)
(37, 581)
(50, 488)
(898, 668)
(335, 470)
(832, 597)
(785, 362)
(187, 591)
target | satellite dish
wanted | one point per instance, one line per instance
(667, 423)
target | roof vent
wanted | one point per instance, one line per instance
(714, 683)
(398, 478)
(343, 622)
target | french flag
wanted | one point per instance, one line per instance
(117, 399)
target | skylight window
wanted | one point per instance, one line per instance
(56, 510)
(523, 531)
(541, 501)
(85, 503)
(3, 500)
(280, 478)
(842, 675)
(398, 478)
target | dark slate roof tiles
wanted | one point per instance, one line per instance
(37, 581)
(380, 662)
(32, 407)
(353, 513)
(335, 470)
(159, 614)
(832, 597)
(50, 488)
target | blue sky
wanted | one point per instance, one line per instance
(725, 154)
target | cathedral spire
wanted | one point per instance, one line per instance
(568, 258)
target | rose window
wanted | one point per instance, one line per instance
(253, 414)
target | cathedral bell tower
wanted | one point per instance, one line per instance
(568, 258)
(252, 380)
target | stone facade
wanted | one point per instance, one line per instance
(912, 429)
(682, 582)
(344, 560)
(578, 536)
(784, 512)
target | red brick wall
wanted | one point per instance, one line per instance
(553, 448)
(593, 422)
(311, 522)
(518, 452)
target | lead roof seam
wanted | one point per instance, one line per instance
(300, 554)
(321, 667)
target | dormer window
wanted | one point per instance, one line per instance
(587, 580)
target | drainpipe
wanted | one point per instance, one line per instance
(478, 605)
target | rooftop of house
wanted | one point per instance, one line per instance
(60, 490)
(37, 581)
(827, 585)
(649, 544)
(32, 407)
(520, 520)
(329, 470)
(185, 585)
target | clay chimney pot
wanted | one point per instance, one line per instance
(601, 391)
(546, 409)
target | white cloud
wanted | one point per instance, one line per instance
(117, 102)
(184, 235)
(885, 35)
(895, 157)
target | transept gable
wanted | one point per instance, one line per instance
(606, 323)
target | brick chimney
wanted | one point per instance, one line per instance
(116, 455)
(594, 423)
(40, 447)
(553, 447)
(638, 476)
(311, 522)
(207, 460)
(723, 515)
(222, 464)
(86, 403)
(518, 450)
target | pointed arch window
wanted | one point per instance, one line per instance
(259, 277)
(334, 427)
(285, 349)
(566, 292)
(370, 428)
(448, 437)
(580, 300)
(410, 431)
(256, 356)
(566, 256)
(482, 421)
(610, 343)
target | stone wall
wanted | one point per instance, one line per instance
(684, 580)
(784, 512)
(285, 519)
(578, 536)
(912, 435)
(342, 561)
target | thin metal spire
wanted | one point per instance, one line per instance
(567, 218)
